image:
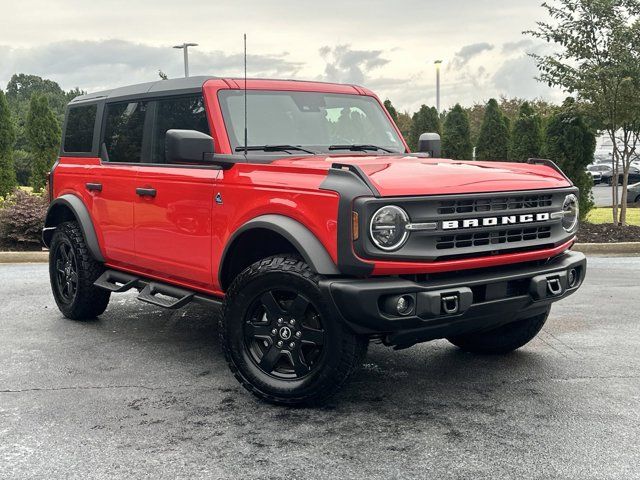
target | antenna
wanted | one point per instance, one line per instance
(245, 95)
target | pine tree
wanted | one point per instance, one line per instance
(392, 110)
(527, 136)
(425, 120)
(493, 141)
(7, 140)
(43, 133)
(570, 142)
(456, 135)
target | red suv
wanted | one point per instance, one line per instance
(298, 207)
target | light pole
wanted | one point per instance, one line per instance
(185, 47)
(437, 63)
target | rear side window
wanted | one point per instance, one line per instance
(184, 113)
(78, 135)
(123, 131)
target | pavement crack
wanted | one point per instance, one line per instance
(90, 387)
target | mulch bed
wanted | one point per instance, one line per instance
(607, 233)
(22, 247)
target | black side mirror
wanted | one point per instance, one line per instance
(184, 146)
(429, 143)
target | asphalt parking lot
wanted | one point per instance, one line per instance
(602, 195)
(145, 393)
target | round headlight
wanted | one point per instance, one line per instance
(571, 212)
(388, 228)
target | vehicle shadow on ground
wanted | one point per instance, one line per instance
(429, 375)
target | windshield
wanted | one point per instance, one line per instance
(313, 120)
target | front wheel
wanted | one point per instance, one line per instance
(503, 339)
(280, 338)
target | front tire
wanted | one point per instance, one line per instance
(504, 339)
(280, 338)
(72, 271)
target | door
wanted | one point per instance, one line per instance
(173, 203)
(113, 190)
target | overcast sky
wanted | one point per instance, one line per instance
(388, 46)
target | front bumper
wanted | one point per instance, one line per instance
(454, 303)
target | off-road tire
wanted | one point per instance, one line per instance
(504, 339)
(343, 351)
(88, 301)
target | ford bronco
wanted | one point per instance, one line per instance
(298, 208)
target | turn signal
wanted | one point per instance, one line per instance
(355, 226)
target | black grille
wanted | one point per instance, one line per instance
(493, 204)
(495, 237)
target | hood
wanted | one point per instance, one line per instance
(405, 175)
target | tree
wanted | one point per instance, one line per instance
(597, 57)
(7, 139)
(493, 141)
(570, 142)
(43, 133)
(404, 124)
(424, 120)
(527, 135)
(456, 135)
(21, 88)
(392, 110)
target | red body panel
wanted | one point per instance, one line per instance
(180, 235)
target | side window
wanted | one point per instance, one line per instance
(184, 113)
(123, 131)
(78, 134)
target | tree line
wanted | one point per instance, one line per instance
(511, 130)
(31, 115)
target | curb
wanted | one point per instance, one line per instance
(24, 257)
(608, 248)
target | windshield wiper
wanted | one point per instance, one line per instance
(273, 148)
(359, 148)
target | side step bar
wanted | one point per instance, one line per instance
(151, 291)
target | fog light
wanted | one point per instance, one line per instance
(401, 305)
(572, 278)
(404, 305)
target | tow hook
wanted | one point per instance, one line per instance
(450, 304)
(547, 286)
(554, 286)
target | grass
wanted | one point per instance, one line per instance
(603, 215)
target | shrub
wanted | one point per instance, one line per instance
(493, 142)
(21, 220)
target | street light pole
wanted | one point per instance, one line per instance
(185, 48)
(437, 63)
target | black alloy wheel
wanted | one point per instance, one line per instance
(284, 335)
(66, 272)
(281, 337)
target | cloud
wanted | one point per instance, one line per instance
(516, 77)
(466, 53)
(97, 65)
(349, 66)
(520, 45)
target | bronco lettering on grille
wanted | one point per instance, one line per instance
(494, 221)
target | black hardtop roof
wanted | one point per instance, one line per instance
(173, 86)
(157, 88)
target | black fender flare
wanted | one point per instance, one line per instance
(82, 216)
(311, 249)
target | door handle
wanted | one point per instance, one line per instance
(146, 192)
(93, 187)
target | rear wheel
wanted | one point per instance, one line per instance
(72, 271)
(280, 339)
(503, 339)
